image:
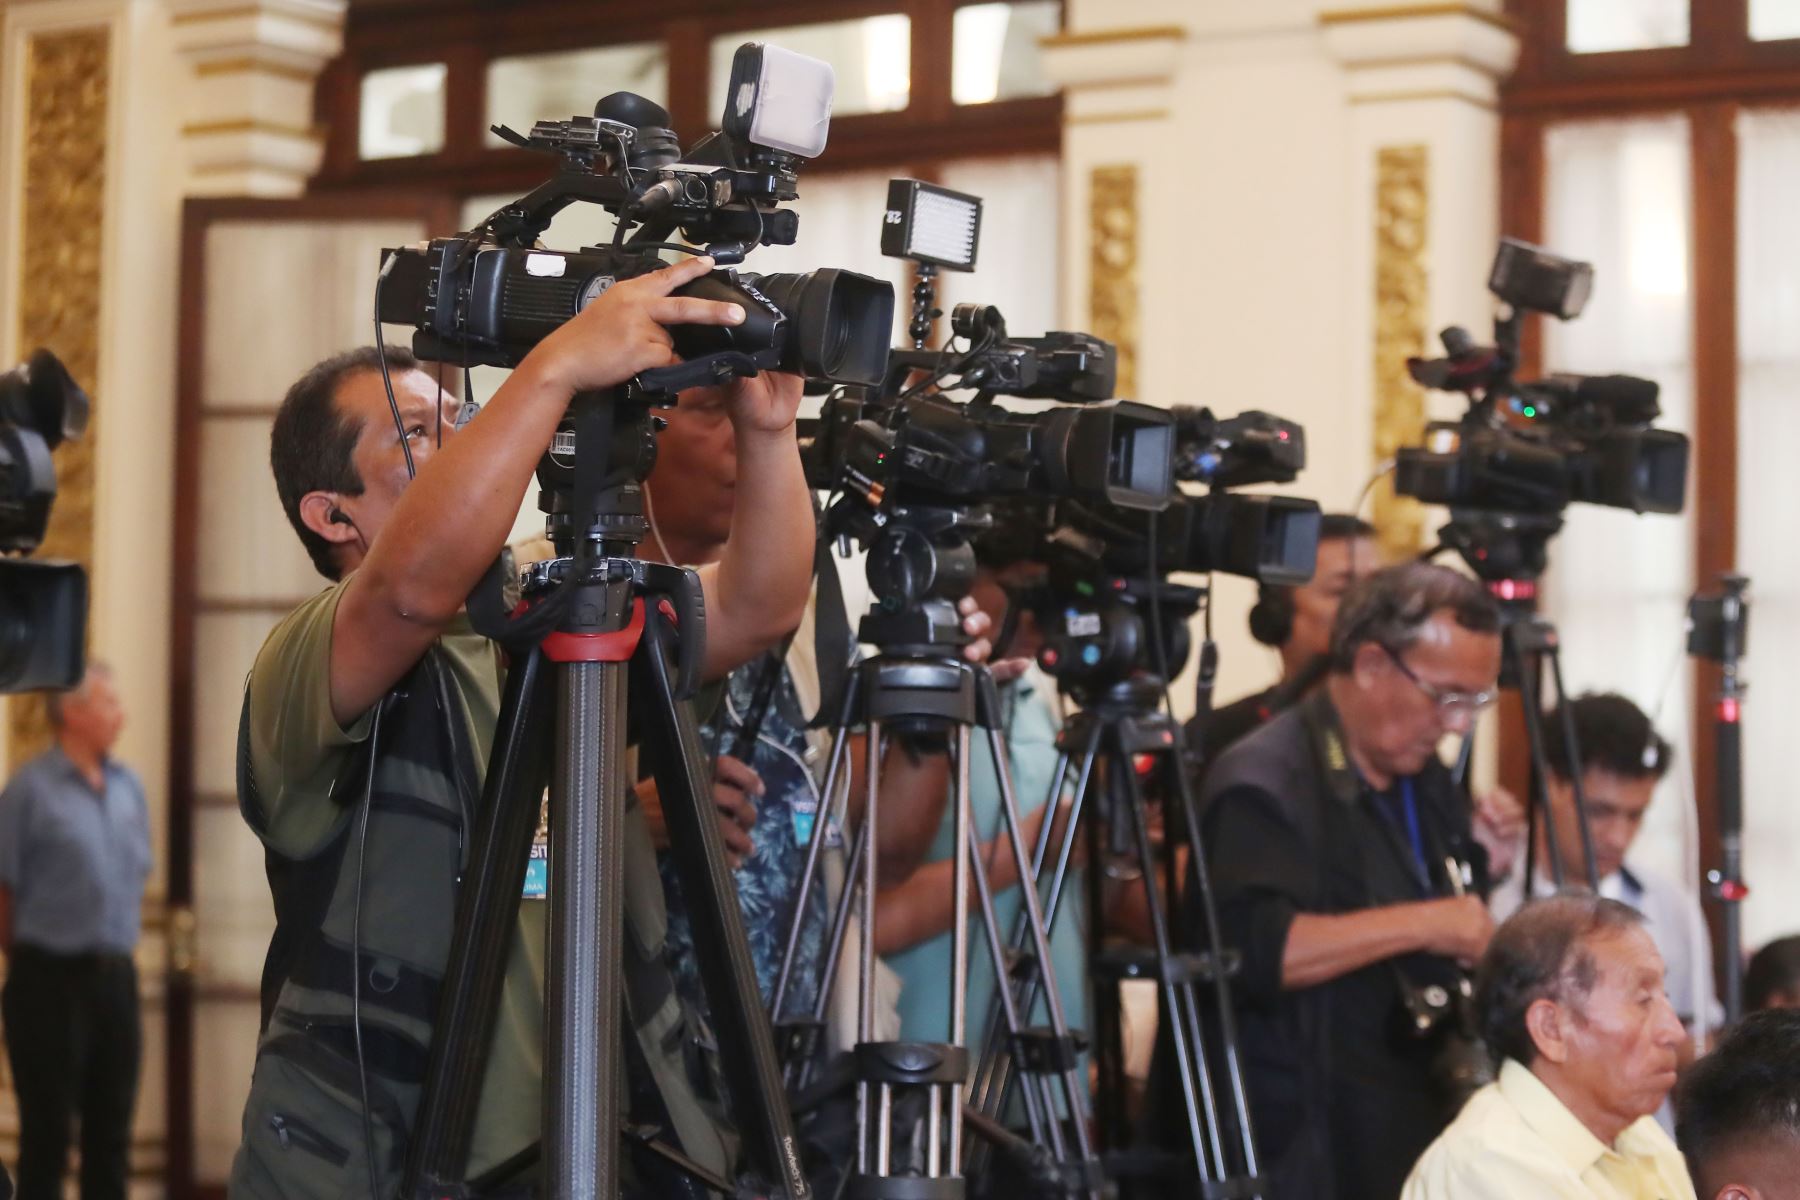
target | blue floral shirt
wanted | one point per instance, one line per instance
(769, 879)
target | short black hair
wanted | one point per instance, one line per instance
(312, 442)
(1612, 734)
(1333, 527)
(1773, 969)
(1390, 607)
(1341, 527)
(1540, 953)
(1748, 1089)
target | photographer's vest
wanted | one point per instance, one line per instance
(420, 777)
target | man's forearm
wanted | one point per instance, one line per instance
(925, 905)
(914, 796)
(450, 523)
(1321, 947)
(764, 573)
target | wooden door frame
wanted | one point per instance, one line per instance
(437, 213)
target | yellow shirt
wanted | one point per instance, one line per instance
(1515, 1139)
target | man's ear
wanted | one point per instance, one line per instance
(1548, 1026)
(1733, 1191)
(316, 509)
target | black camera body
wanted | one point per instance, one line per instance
(1574, 438)
(1061, 365)
(1251, 448)
(1529, 449)
(934, 451)
(43, 605)
(489, 295)
(507, 299)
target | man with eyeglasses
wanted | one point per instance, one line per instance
(1336, 839)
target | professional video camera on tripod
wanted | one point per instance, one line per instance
(1115, 630)
(487, 296)
(43, 605)
(1510, 466)
(916, 474)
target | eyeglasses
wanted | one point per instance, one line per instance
(1449, 704)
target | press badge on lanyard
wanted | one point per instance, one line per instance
(537, 870)
(806, 813)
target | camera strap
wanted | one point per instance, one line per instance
(833, 645)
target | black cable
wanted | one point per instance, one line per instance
(946, 368)
(1155, 621)
(362, 1066)
(387, 379)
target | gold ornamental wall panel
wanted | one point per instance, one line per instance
(1113, 266)
(63, 213)
(1402, 310)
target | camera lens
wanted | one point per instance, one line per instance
(839, 323)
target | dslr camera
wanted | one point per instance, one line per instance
(486, 297)
(43, 605)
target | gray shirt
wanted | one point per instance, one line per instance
(75, 858)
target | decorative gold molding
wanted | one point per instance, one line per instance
(66, 89)
(253, 66)
(1112, 266)
(199, 16)
(1100, 37)
(249, 125)
(1402, 223)
(1109, 118)
(1395, 12)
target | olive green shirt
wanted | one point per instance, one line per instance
(298, 750)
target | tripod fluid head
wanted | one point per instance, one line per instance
(920, 564)
(1115, 639)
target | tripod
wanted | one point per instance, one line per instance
(919, 683)
(1720, 632)
(1117, 750)
(601, 628)
(1508, 552)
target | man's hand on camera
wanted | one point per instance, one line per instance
(764, 403)
(623, 331)
(734, 783)
(976, 624)
(1458, 927)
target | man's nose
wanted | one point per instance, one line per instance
(1670, 1030)
(1457, 720)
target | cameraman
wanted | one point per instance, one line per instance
(768, 805)
(1327, 832)
(1295, 621)
(384, 666)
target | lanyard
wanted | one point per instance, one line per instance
(1410, 804)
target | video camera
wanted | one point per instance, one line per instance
(486, 297)
(43, 605)
(1529, 449)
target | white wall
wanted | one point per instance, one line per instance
(1254, 126)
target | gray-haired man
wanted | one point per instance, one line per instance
(1327, 831)
(74, 855)
(1572, 1003)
